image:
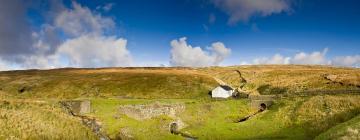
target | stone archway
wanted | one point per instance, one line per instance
(174, 128)
(262, 107)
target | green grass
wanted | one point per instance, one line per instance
(347, 130)
(218, 122)
(106, 110)
(292, 118)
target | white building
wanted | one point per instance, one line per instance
(222, 92)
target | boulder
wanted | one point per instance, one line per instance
(331, 77)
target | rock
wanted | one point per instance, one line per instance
(331, 77)
(95, 126)
(179, 124)
(124, 134)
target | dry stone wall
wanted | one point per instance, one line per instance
(141, 112)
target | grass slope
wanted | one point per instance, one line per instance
(348, 130)
(278, 79)
(21, 119)
(126, 83)
(290, 118)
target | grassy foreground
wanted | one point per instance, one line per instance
(25, 119)
(292, 118)
(347, 130)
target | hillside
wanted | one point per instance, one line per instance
(141, 103)
(29, 119)
(281, 79)
(109, 82)
(171, 82)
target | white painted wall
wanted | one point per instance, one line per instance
(221, 93)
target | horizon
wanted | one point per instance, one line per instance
(181, 67)
(53, 34)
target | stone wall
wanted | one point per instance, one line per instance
(257, 100)
(141, 112)
(256, 104)
(77, 107)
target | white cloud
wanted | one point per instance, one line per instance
(3, 65)
(276, 59)
(81, 20)
(243, 10)
(42, 62)
(95, 51)
(314, 58)
(220, 52)
(347, 61)
(86, 42)
(183, 54)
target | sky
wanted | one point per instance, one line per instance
(45, 34)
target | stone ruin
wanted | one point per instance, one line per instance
(141, 112)
(77, 107)
(261, 102)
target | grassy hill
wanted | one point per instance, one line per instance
(278, 79)
(110, 82)
(29, 106)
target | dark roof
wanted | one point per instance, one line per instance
(227, 88)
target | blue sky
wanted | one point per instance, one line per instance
(229, 32)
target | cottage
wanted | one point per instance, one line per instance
(222, 91)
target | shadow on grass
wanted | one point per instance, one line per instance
(268, 90)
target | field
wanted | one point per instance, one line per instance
(30, 109)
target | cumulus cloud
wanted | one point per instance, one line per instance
(347, 61)
(183, 54)
(276, 59)
(75, 37)
(314, 58)
(90, 47)
(243, 10)
(81, 20)
(96, 51)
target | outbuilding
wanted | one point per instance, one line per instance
(222, 91)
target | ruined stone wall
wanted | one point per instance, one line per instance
(77, 107)
(141, 112)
